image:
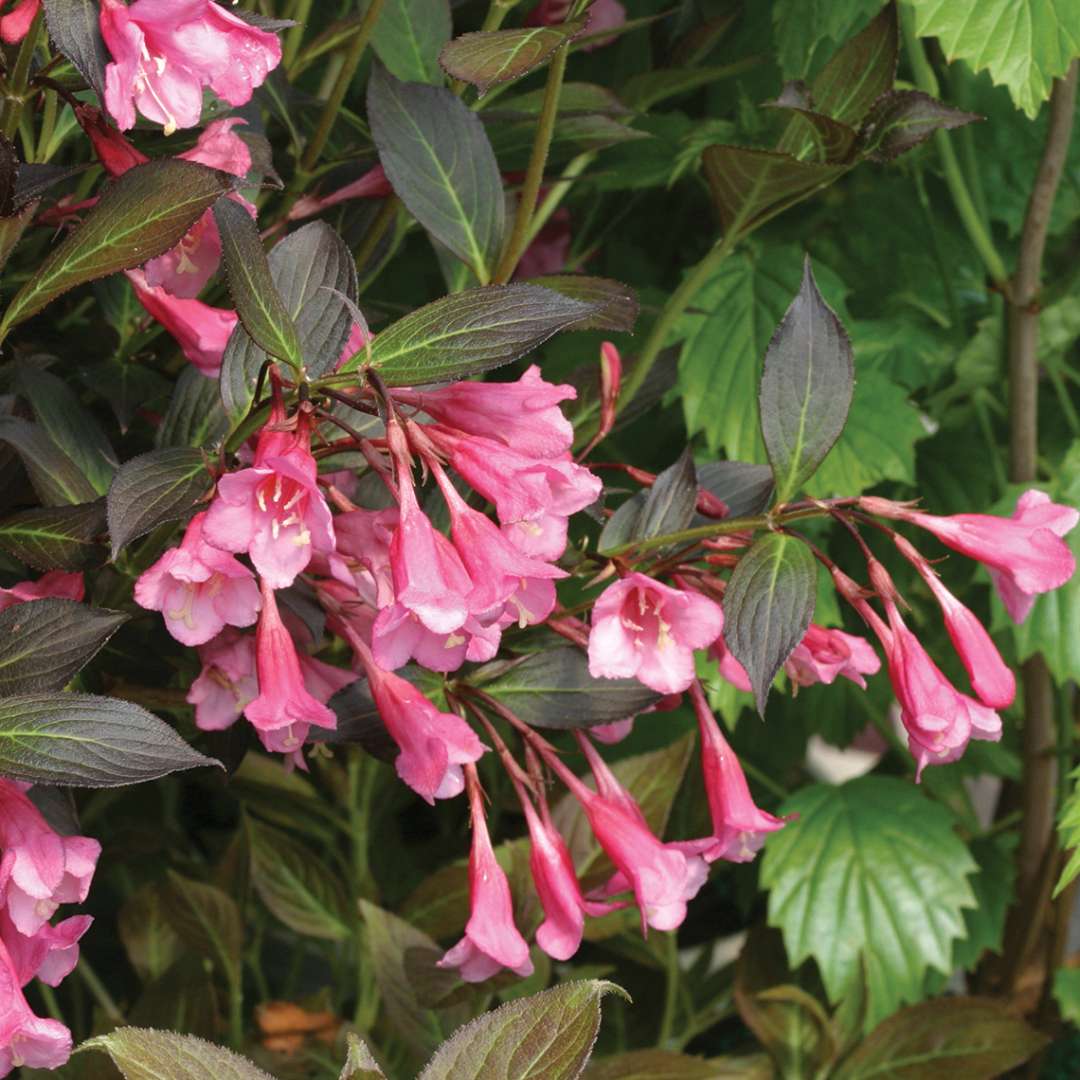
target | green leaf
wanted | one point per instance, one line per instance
(160, 486)
(258, 303)
(1067, 993)
(667, 507)
(1024, 44)
(743, 488)
(75, 29)
(553, 689)
(768, 605)
(487, 59)
(298, 889)
(870, 877)
(801, 27)
(43, 643)
(408, 36)
(441, 165)
(146, 1054)
(149, 940)
(208, 920)
(615, 304)
(79, 740)
(806, 388)
(195, 416)
(360, 1064)
(141, 215)
(1069, 833)
(55, 538)
(993, 889)
(902, 119)
(966, 1038)
(57, 480)
(469, 332)
(668, 1065)
(548, 1036)
(69, 425)
(649, 88)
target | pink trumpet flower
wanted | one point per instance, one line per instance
(56, 584)
(15, 25)
(26, 1040)
(825, 653)
(227, 683)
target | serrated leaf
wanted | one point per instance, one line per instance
(1024, 44)
(649, 88)
(870, 877)
(743, 487)
(768, 605)
(469, 332)
(408, 36)
(667, 507)
(965, 1038)
(993, 889)
(35, 179)
(298, 889)
(902, 119)
(441, 165)
(553, 689)
(57, 480)
(146, 1054)
(548, 1036)
(139, 216)
(258, 303)
(43, 643)
(75, 29)
(208, 920)
(80, 740)
(56, 538)
(309, 268)
(488, 58)
(160, 486)
(668, 1065)
(806, 388)
(149, 940)
(9, 173)
(1067, 993)
(616, 304)
(1069, 833)
(360, 1065)
(802, 27)
(195, 416)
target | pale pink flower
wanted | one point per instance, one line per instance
(826, 653)
(284, 710)
(372, 185)
(492, 941)
(50, 954)
(200, 330)
(56, 584)
(730, 669)
(199, 589)
(739, 827)
(612, 733)
(363, 539)
(274, 510)
(227, 682)
(646, 630)
(602, 15)
(165, 51)
(15, 25)
(1024, 553)
(39, 869)
(26, 1039)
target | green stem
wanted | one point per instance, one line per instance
(52, 1006)
(236, 1009)
(530, 190)
(557, 192)
(973, 223)
(295, 34)
(14, 101)
(99, 992)
(764, 779)
(671, 988)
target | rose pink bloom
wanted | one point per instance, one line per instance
(274, 510)
(39, 869)
(645, 630)
(939, 719)
(284, 710)
(50, 954)
(613, 733)
(739, 827)
(115, 153)
(730, 668)
(372, 185)
(26, 1039)
(364, 537)
(602, 15)
(15, 25)
(165, 51)
(824, 653)
(200, 330)
(434, 745)
(547, 254)
(522, 415)
(492, 941)
(533, 497)
(56, 584)
(227, 682)
(1024, 554)
(359, 337)
(321, 680)
(199, 589)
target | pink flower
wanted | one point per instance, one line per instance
(56, 584)
(284, 710)
(939, 719)
(491, 940)
(602, 15)
(39, 869)
(645, 630)
(26, 1039)
(359, 337)
(434, 745)
(363, 537)
(165, 51)
(274, 511)
(372, 185)
(739, 827)
(612, 733)
(533, 497)
(199, 589)
(15, 25)
(825, 653)
(200, 330)
(730, 669)
(522, 415)
(1024, 554)
(227, 683)
(50, 954)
